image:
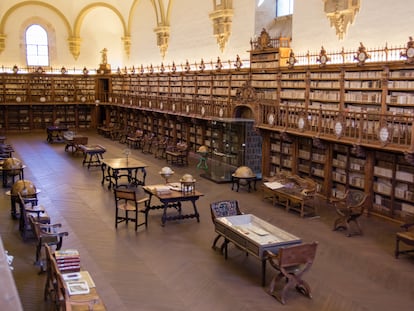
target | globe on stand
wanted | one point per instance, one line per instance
(166, 172)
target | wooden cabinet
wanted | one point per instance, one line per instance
(15, 88)
(266, 85)
(393, 188)
(325, 89)
(363, 89)
(400, 90)
(281, 154)
(293, 88)
(233, 143)
(204, 86)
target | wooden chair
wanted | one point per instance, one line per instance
(51, 289)
(134, 140)
(223, 208)
(126, 201)
(407, 237)
(146, 143)
(349, 208)
(177, 154)
(50, 234)
(161, 147)
(291, 263)
(29, 206)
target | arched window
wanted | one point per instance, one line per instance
(284, 7)
(37, 47)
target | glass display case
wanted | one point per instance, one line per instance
(233, 143)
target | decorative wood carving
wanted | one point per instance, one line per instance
(318, 143)
(409, 51)
(358, 151)
(246, 93)
(286, 137)
(222, 21)
(341, 13)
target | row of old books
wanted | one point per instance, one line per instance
(68, 260)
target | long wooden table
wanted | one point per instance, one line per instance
(173, 199)
(114, 169)
(253, 235)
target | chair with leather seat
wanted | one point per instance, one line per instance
(29, 206)
(50, 234)
(291, 263)
(223, 208)
(128, 206)
(406, 237)
(349, 208)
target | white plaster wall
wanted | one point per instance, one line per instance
(378, 22)
(191, 33)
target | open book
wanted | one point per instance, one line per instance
(273, 185)
(77, 287)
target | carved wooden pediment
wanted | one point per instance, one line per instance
(246, 93)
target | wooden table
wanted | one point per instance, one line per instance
(114, 169)
(253, 235)
(92, 154)
(172, 199)
(292, 192)
(55, 133)
(73, 141)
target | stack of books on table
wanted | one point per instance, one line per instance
(68, 260)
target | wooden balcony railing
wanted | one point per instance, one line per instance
(356, 127)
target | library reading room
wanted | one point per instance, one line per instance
(163, 155)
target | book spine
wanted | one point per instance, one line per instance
(68, 261)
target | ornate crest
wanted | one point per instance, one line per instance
(246, 93)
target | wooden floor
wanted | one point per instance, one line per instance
(174, 267)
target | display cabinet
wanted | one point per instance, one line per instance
(231, 143)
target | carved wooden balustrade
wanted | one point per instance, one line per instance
(356, 127)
